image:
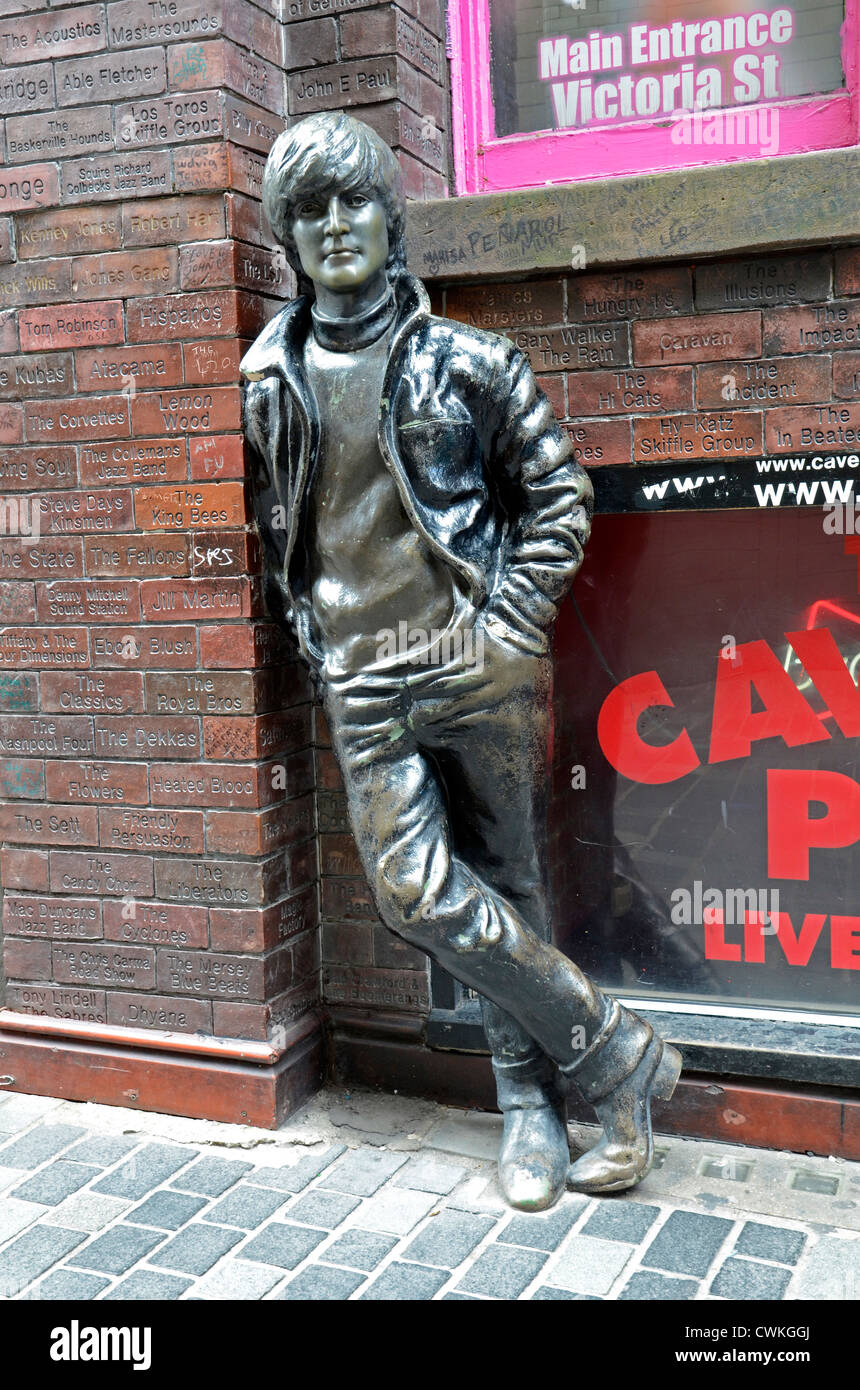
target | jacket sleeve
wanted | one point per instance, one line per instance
(259, 398)
(549, 500)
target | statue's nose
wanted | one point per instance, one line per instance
(335, 222)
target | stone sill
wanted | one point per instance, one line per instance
(681, 214)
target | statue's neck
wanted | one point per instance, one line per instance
(344, 332)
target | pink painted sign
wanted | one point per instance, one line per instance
(555, 100)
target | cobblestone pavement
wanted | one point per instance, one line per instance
(366, 1196)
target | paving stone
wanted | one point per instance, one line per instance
(406, 1283)
(211, 1176)
(53, 1184)
(234, 1279)
(546, 1294)
(657, 1287)
(363, 1171)
(448, 1239)
(15, 1216)
(17, 1112)
(359, 1249)
(687, 1243)
(319, 1282)
(396, 1210)
(144, 1170)
(831, 1271)
(502, 1271)
(479, 1193)
(144, 1285)
(588, 1265)
(321, 1208)
(38, 1146)
(195, 1250)
(87, 1212)
(9, 1177)
(474, 1135)
(747, 1279)
(282, 1245)
(461, 1298)
(118, 1249)
(68, 1284)
(298, 1168)
(246, 1206)
(102, 1150)
(426, 1173)
(770, 1243)
(166, 1210)
(620, 1220)
(32, 1254)
(544, 1230)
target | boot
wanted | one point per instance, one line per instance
(625, 1068)
(535, 1154)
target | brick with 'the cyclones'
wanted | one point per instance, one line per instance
(72, 325)
(156, 924)
(706, 338)
(97, 784)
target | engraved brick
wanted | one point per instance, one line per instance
(27, 960)
(847, 271)
(210, 975)
(248, 26)
(53, 919)
(343, 84)
(601, 441)
(209, 784)
(812, 427)
(246, 171)
(169, 600)
(135, 22)
(171, 648)
(382, 989)
(198, 168)
(18, 691)
(244, 219)
(629, 294)
(630, 389)
(114, 738)
(26, 88)
(576, 346)
(260, 737)
(138, 555)
(159, 1012)
(180, 832)
(5, 233)
(67, 231)
(120, 175)
(114, 875)
(125, 273)
(718, 437)
(338, 855)
(82, 1005)
(201, 504)
(762, 281)
(259, 832)
(71, 325)
(212, 362)
(119, 692)
(30, 467)
(232, 263)
(160, 365)
(131, 967)
(214, 315)
(34, 282)
(260, 929)
(846, 376)
(24, 868)
(205, 693)
(156, 924)
(56, 134)
(36, 824)
(187, 410)
(22, 778)
(67, 601)
(797, 379)
(44, 561)
(96, 784)
(169, 221)
(222, 884)
(109, 76)
(250, 125)
(56, 35)
(219, 64)
(311, 43)
(820, 328)
(347, 899)
(11, 424)
(88, 417)
(704, 338)
(168, 120)
(39, 646)
(35, 378)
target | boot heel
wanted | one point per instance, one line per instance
(667, 1074)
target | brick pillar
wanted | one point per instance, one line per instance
(159, 863)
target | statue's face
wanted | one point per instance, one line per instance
(341, 238)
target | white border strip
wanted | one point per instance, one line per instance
(664, 1006)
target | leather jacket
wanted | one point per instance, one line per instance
(484, 472)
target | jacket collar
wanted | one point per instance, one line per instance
(278, 349)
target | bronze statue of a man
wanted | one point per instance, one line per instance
(422, 518)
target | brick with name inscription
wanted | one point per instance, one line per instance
(251, 125)
(181, 599)
(173, 648)
(134, 461)
(159, 1013)
(125, 273)
(201, 504)
(169, 221)
(49, 559)
(223, 692)
(342, 84)
(31, 466)
(600, 441)
(403, 129)
(209, 784)
(200, 168)
(142, 556)
(18, 691)
(116, 692)
(819, 328)
(762, 281)
(847, 271)
(246, 170)
(97, 784)
(224, 646)
(39, 646)
(846, 375)
(706, 338)
(212, 315)
(374, 988)
(576, 346)
(132, 967)
(35, 282)
(187, 410)
(114, 738)
(92, 510)
(223, 883)
(26, 88)
(135, 22)
(108, 76)
(347, 899)
(120, 175)
(35, 736)
(255, 832)
(22, 779)
(35, 378)
(259, 737)
(212, 975)
(261, 929)
(67, 231)
(232, 263)
(168, 120)
(153, 366)
(338, 855)
(788, 379)
(52, 918)
(113, 875)
(718, 437)
(156, 924)
(88, 601)
(630, 294)
(223, 65)
(56, 34)
(180, 832)
(216, 456)
(59, 134)
(46, 824)
(630, 389)
(813, 427)
(78, 325)
(80, 1005)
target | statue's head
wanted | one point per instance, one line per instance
(330, 165)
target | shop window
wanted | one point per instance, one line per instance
(555, 91)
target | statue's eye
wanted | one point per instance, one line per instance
(357, 200)
(308, 209)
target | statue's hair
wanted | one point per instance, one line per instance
(324, 152)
